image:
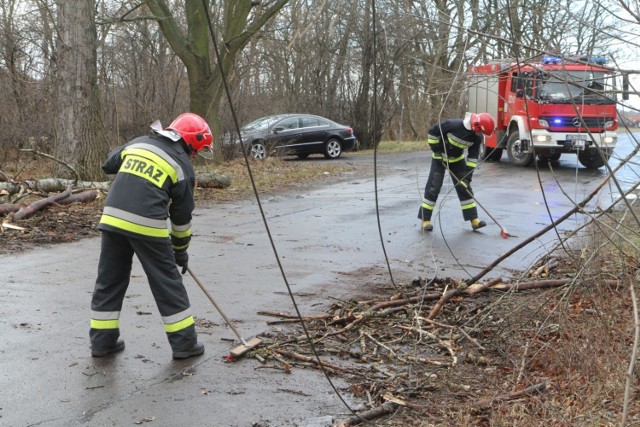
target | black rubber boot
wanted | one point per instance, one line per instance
(196, 350)
(477, 225)
(426, 226)
(100, 352)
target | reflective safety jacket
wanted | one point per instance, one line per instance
(154, 181)
(450, 138)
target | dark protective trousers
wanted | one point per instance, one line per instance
(434, 184)
(114, 273)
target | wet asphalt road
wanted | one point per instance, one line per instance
(326, 240)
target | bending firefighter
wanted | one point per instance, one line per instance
(449, 140)
(154, 179)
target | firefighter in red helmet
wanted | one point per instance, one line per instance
(455, 144)
(153, 181)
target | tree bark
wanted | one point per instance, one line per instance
(28, 211)
(80, 140)
(206, 85)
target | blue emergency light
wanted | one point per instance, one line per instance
(548, 59)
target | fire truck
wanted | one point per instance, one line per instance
(547, 108)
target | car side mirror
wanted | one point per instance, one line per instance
(520, 93)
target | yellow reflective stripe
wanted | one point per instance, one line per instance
(104, 324)
(469, 205)
(178, 233)
(177, 326)
(456, 159)
(133, 227)
(160, 152)
(179, 248)
(426, 206)
(162, 163)
(471, 164)
(458, 142)
(433, 141)
(144, 168)
(437, 157)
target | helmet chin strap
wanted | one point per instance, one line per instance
(206, 153)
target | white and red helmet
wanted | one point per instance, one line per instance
(194, 130)
(482, 122)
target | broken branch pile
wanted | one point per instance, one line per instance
(392, 352)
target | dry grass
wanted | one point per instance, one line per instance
(578, 340)
(271, 175)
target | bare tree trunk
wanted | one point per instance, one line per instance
(80, 139)
(193, 47)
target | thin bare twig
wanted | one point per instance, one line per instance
(634, 354)
(49, 156)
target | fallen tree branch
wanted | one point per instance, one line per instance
(379, 411)
(212, 180)
(9, 208)
(49, 185)
(518, 286)
(28, 211)
(307, 359)
(481, 287)
(82, 197)
(446, 297)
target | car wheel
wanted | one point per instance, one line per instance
(332, 149)
(591, 159)
(258, 151)
(515, 151)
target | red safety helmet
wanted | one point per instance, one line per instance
(483, 122)
(194, 130)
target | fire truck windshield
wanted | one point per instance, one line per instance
(581, 86)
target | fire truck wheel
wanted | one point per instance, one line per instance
(515, 151)
(591, 158)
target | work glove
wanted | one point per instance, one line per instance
(182, 259)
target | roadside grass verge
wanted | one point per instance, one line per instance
(579, 339)
(392, 147)
(270, 175)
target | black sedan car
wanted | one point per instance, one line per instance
(296, 134)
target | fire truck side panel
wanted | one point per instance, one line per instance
(484, 90)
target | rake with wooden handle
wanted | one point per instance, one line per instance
(246, 345)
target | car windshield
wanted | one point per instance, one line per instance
(585, 86)
(261, 123)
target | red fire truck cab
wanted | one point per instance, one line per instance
(545, 109)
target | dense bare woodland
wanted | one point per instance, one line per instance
(387, 68)
(78, 77)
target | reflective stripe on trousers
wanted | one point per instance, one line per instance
(434, 184)
(165, 281)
